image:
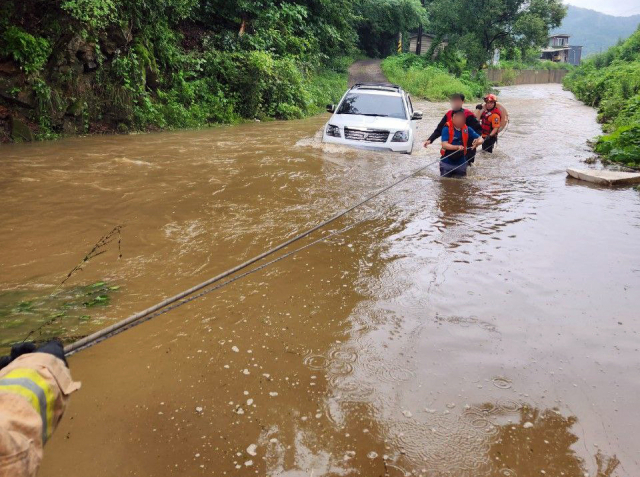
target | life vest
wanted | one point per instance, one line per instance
(487, 126)
(467, 113)
(452, 133)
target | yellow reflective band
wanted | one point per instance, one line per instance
(22, 391)
(45, 408)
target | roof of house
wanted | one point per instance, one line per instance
(563, 35)
(555, 49)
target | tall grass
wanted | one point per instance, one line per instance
(430, 81)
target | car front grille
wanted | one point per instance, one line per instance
(367, 135)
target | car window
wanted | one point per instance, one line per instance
(410, 104)
(373, 105)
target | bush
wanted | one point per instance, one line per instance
(260, 84)
(622, 146)
(425, 80)
(325, 87)
(610, 81)
(96, 13)
(30, 52)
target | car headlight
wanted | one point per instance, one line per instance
(333, 131)
(400, 136)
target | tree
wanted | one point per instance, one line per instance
(478, 27)
(382, 20)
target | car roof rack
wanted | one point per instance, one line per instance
(378, 86)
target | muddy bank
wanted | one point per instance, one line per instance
(466, 327)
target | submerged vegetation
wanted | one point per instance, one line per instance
(610, 82)
(62, 314)
(76, 66)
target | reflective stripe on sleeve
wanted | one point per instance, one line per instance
(29, 384)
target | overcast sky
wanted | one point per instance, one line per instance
(612, 7)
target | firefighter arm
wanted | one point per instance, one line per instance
(477, 142)
(34, 391)
(20, 450)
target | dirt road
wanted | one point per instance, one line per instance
(366, 71)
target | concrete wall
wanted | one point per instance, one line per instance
(509, 77)
(424, 49)
(426, 44)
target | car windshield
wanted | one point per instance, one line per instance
(373, 105)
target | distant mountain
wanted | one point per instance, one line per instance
(596, 31)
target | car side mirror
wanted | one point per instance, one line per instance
(331, 108)
(417, 115)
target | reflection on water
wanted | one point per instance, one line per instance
(477, 327)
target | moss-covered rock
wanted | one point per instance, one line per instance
(20, 131)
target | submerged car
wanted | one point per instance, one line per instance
(373, 116)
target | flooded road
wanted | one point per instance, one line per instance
(465, 328)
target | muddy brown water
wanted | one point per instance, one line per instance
(478, 327)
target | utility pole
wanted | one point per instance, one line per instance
(419, 42)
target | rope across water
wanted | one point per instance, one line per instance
(188, 295)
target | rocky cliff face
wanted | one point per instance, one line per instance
(62, 96)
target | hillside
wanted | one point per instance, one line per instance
(91, 66)
(596, 31)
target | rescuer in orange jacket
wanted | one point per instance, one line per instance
(491, 119)
(35, 384)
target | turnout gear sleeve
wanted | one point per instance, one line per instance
(34, 392)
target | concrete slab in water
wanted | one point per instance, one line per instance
(605, 177)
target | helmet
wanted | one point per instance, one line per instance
(491, 97)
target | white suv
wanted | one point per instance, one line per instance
(373, 116)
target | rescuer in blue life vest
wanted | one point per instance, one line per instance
(457, 102)
(458, 142)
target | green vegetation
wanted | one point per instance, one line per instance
(28, 51)
(63, 314)
(432, 80)
(150, 64)
(477, 29)
(466, 36)
(102, 65)
(611, 82)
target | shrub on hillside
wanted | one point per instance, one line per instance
(611, 82)
(30, 52)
